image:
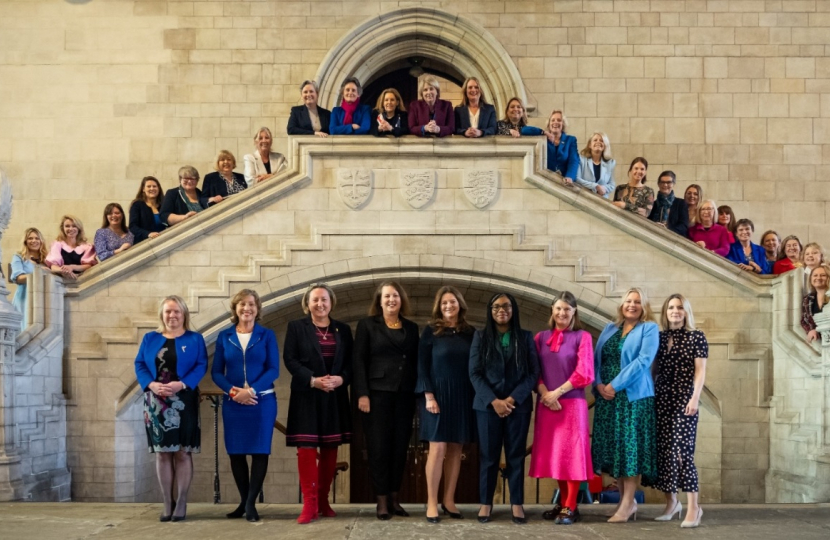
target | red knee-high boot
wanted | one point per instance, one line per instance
(328, 464)
(307, 467)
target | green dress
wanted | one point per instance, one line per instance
(624, 431)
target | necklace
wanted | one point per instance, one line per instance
(396, 324)
(320, 333)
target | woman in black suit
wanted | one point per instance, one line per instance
(670, 211)
(318, 354)
(218, 185)
(385, 373)
(308, 118)
(474, 117)
(145, 219)
(504, 367)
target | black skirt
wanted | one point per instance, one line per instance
(173, 422)
(317, 418)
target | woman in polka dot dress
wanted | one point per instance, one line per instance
(681, 370)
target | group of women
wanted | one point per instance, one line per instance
(467, 385)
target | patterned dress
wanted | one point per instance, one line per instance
(172, 423)
(635, 198)
(624, 438)
(672, 390)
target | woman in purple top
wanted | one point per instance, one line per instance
(706, 232)
(113, 237)
(561, 439)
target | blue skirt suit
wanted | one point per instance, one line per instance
(248, 428)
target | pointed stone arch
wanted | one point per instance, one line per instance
(431, 33)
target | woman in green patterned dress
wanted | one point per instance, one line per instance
(624, 421)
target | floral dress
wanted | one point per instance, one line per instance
(635, 198)
(624, 431)
(172, 423)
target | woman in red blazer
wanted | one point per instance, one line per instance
(430, 116)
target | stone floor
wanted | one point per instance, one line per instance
(70, 521)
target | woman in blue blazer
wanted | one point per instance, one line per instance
(563, 156)
(474, 117)
(596, 166)
(245, 365)
(624, 420)
(351, 117)
(750, 257)
(169, 365)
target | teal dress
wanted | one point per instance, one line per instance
(624, 440)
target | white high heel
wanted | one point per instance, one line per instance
(678, 508)
(692, 524)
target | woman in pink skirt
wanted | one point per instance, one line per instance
(561, 440)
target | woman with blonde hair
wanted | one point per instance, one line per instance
(596, 166)
(169, 365)
(693, 195)
(680, 370)
(389, 116)
(474, 117)
(262, 163)
(33, 253)
(815, 300)
(224, 181)
(624, 421)
(71, 254)
(706, 232)
(430, 115)
(563, 155)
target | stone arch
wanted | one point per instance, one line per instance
(430, 33)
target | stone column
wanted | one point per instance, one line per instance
(823, 326)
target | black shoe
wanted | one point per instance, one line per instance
(238, 513)
(165, 519)
(251, 514)
(519, 520)
(553, 513)
(453, 515)
(399, 511)
(568, 516)
(487, 518)
(175, 519)
(433, 519)
(383, 517)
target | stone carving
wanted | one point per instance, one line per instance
(5, 217)
(480, 187)
(418, 186)
(354, 186)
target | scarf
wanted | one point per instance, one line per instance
(663, 204)
(350, 108)
(555, 340)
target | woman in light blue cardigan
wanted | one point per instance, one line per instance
(596, 167)
(624, 419)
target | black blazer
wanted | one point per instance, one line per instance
(678, 217)
(379, 364)
(299, 123)
(174, 204)
(486, 119)
(214, 184)
(142, 222)
(489, 381)
(303, 356)
(400, 124)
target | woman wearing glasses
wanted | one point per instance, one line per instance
(184, 202)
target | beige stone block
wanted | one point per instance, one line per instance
(801, 67)
(774, 105)
(753, 131)
(684, 68)
(606, 36)
(804, 105)
(821, 131)
(685, 105)
(775, 68)
(647, 130)
(745, 105)
(208, 38)
(180, 38)
(716, 105)
(684, 130)
(803, 154)
(791, 131)
(790, 86)
(746, 68)
(616, 105)
(581, 105)
(622, 67)
(752, 36)
(562, 67)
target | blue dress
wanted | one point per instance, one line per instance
(248, 428)
(19, 268)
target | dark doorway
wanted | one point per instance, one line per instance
(404, 82)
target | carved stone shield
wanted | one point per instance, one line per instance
(354, 186)
(480, 187)
(418, 186)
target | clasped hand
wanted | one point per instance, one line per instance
(502, 407)
(328, 382)
(551, 401)
(606, 391)
(166, 390)
(243, 396)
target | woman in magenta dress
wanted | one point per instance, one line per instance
(561, 440)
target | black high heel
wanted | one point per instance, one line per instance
(382, 516)
(168, 517)
(433, 519)
(238, 513)
(453, 515)
(487, 518)
(518, 520)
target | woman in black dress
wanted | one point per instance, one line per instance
(385, 373)
(169, 365)
(681, 371)
(447, 420)
(504, 367)
(318, 354)
(145, 219)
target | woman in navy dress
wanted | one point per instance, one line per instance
(169, 365)
(318, 354)
(145, 220)
(447, 420)
(245, 365)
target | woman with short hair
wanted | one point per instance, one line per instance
(33, 253)
(669, 211)
(169, 365)
(706, 232)
(113, 237)
(70, 255)
(309, 118)
(789, 257)
(563, 155)
(635, 196)
(145, 216)
(596, 166)
(352, 117)
(185, 201)
(748, 256)
(262, 163)
(815, 300)
(771, 243)
(389, 116)
(431, 116)
(474, 117)
(223, 182)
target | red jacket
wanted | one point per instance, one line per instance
(419, 117)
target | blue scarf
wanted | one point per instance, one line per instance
(663, 204)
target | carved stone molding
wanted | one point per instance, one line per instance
(354, 186)
(418, 186)
(480, 187)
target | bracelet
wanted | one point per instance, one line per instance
(312, 382)
(252, 391)
(233, 392)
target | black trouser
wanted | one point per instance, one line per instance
(388, 426)
(493, 433)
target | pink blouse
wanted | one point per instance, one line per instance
(87, 252)
(583, 374)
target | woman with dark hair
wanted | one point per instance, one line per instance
(680, 370)
(504, 367)
(447, 420)
(561, 436)
(474, 117)
(815, 300)
(669, 211)
(748, 256)
(430, 115)
(771, 243)
(23, 264)
(318, 354)
(113, 237)
(514, 123)
(223, 182)
(169, 365)
(389, 116)
(351, 117)
(245, 365)
(145, 218)
(71, 254)
(385, 374)
(789, 257)
(309, 118)
(634, 195)
(726, 218)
